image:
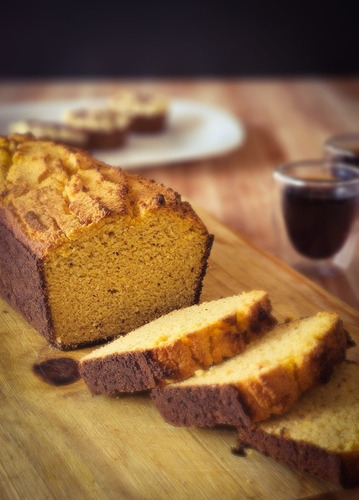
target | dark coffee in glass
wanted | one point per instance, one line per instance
(318, 205)
(318, 225)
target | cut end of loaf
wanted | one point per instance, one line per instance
(124, 274)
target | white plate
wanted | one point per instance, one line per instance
(195, 131)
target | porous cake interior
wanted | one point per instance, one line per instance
(327, 416)
(286, 346)
(127, 272)
(179, 324)
(112, 250)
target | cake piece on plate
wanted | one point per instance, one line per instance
(103, 127)
(51, 131)
(148, 111)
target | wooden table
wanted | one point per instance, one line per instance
(284, 119)
(60, 442)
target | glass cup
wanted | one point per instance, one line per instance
(343, 148)
(317, 210)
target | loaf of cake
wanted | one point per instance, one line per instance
(267, 378)
(51, 131)
(103, 127)
(148, 112)
(88, 251)
(174, 346)
(319, 435)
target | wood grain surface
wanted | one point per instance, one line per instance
(285, 119)
(60, 442)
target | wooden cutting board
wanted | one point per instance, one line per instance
(61, 442)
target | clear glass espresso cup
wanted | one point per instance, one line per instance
(317, 214)
(343, 148)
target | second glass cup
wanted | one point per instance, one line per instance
(316, 213)
(343, 148)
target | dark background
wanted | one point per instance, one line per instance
(178, 39)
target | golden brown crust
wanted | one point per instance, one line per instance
(319, 434)
(50, 192)
(63, 215)
(22, 282)
(254, 399)
(194, 352)
(180, 358)
(338, 468)
(276, 391)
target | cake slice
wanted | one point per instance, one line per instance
(148, 112)
(319, 435)
(103, 127)
(174, 346)
(51, 131)
(266, 379)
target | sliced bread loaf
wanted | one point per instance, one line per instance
(266, 379)
(320, 434)
(175, 345)
(89, 251)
